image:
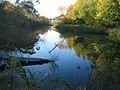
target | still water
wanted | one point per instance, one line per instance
(80, 60)
(68, 65)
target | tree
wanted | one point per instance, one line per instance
(70, 12)
(28, 5)
(108, 11)
(82, 11)
(62, 10)
(85, 9)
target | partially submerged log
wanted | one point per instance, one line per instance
(33, 61)
(25, 61)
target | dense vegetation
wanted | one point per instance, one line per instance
(92, 12)
(96, 15)
(20, 15)
(18, 33)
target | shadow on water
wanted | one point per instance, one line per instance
(19, 39)
(81, 62)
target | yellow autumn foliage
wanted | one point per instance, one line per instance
(8, 7)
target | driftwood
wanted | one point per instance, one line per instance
(33, 61)
(25, 61)
(53, 48)
(56, 45)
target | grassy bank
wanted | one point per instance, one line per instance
(81, 29)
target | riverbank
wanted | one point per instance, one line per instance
(12, 16)
(70, 29)
(82, 29)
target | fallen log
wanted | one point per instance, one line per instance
(25, 61)
(33, 61)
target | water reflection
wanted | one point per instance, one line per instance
(80, 61)
(72, 68)
(18, 40)
(105, 55)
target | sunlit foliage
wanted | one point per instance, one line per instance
(108, 11)
(104, 12)
(70, 12)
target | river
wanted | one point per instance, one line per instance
(80, 61)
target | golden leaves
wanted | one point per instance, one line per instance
(8, 7)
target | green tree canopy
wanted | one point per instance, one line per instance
(106, 12)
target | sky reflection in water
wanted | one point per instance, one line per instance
(69, 66)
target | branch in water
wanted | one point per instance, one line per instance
(56, 46)
(53, 48)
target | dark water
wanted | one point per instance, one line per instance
(80, 61)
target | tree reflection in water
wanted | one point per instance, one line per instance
(19, 39)
(104, 52)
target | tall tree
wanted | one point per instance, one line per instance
(62, 10)
(108, 11)
(85, 9)
(70, 13)
(28, 5)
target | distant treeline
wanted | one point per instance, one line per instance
(20, 15)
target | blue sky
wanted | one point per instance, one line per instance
(49, 8)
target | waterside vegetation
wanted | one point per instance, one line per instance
(97, 16)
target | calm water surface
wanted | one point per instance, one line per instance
(68, 64)
(80, 60)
